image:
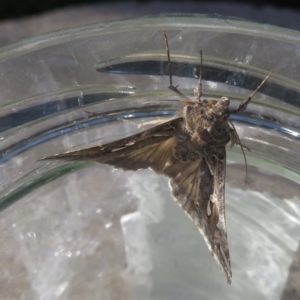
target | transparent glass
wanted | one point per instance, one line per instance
(87, 231)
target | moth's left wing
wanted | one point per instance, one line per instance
(199, 189)
(151, 148)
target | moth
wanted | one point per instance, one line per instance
(190, 150)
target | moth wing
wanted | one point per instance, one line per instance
(153, 152)
(151, 148)
(199, 189)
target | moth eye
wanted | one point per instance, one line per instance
(220, 129)
(201, 111)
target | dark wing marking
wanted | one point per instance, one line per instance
(153, 152)
(199, 189)
(151, 148)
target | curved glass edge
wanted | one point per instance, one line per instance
(52, 172)
(161, 21)
(43, 178)
(188, 62)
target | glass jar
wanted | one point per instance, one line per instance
(87, 231)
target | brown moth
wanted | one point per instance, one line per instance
(190, 150)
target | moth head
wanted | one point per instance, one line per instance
(221, 108)
(218, 109)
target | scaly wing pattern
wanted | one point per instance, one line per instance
(199, 189)
(151, 148)
(198, 186)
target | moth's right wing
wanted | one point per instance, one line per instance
(151, 148)
(199, 189)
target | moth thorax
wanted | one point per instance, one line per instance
(191, 117)
(220, 131)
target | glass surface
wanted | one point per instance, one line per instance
(87, 231)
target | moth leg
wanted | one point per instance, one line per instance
(235, 140)
(198, 89)
(145, 124)
(112, 117)
(243, 105)
(93, 113)
(142, 125)
(209, 157)
(171, 86)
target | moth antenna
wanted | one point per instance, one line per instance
(198, 90)
(171, 86)
(183, 101)
(112, 117)
(242, 148)
(169, 59)
(243, 104)
(142, 125)
(93, 113)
